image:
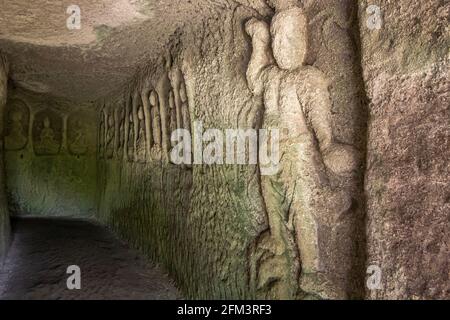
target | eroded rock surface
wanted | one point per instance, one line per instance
(406, 72)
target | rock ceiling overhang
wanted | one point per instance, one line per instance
(87, 63)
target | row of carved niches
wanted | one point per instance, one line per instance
(123, 132)
(46, 131)
(139, 130)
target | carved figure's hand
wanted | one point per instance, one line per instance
(255, 26)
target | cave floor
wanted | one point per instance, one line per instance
(43, 249)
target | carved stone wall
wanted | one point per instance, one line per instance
(358, 89)
(406, 68)
(50, 156)
(209, 224)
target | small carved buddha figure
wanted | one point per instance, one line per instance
(47, 144)
(130, 142)
(110, 137)
(101, 136)
(185, 107)
(121, 134)
(172, 113)
(156, 151)
(78, 145)
(141, 146)
(185, 116)
(16, 139)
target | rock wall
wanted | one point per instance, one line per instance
(197, 221)
(4, 214)
(213, 226)
(406, 67)
(50, 156)
(359, 203)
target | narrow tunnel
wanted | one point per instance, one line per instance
(224, 149)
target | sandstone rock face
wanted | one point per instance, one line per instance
(406, 71)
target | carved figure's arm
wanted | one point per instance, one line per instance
(261, 55)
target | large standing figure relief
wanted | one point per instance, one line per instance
(287, 258)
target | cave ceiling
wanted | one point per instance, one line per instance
(116, 36)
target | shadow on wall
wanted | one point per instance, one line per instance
(4, 233)
(4, 215)
(50, 157)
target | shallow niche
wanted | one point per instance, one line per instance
(78, 143)
(47, 133)
(17, 124)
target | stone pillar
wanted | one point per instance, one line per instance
(405, 67)
(4, 215)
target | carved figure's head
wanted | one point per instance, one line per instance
(140, 114)
(46, 123)
(153, 98)
(289, 38)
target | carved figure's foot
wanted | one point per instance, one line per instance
(340, 158)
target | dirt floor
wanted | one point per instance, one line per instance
(43, 249)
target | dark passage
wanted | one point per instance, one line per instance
(42, 249)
